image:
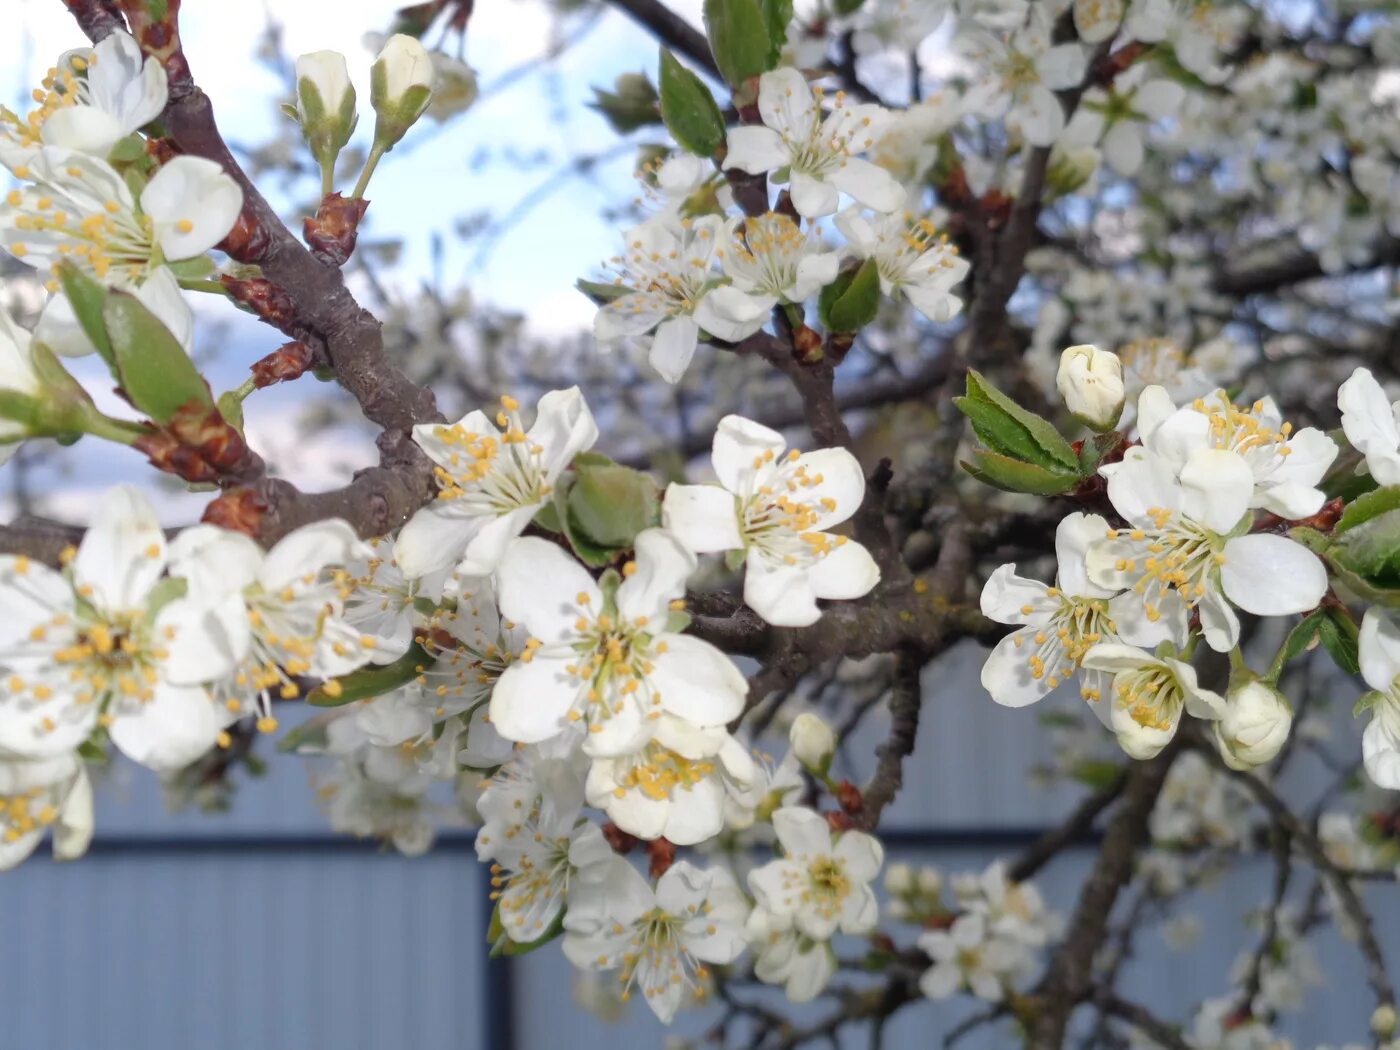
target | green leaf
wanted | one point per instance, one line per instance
(590, 553)
(632, 103)
(1012, 475)
(86, 297)
(1055, 450)
(734, 559)
(1367, 506)
(1366, 701)
(602, 293)
(778, 15)
(847, 7)
(739, 39)
(850, 305)
(609, 503)
(151, 365)
(1372, 548)
(1341, 638)
(998, 431)
(372, 680)
(1096, 773)
(688, 109)
(1297, 642)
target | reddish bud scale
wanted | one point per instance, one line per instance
(263, 298)
(806, 345)
(663, 854)
(996, 206)
(838, 345)
(1325, 520)
(248, 241)
(1120, 61)
(289, 361)
(331, 232)
(239, 510)
(850, 798)
(200, 446)
(839, 822)
(162, 151)
(954, 188)
(619, 840)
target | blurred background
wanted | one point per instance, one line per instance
(219, 918)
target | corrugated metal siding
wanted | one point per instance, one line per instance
(191, 936)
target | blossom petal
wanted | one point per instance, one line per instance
(1009, 598)
(841, 482)
(539, 585)
(846, 573)
(193, 203)
(673, 346)
(786, 104)
(1380, 753)
(1380, 650)
(802, 832)
(781, 594)
(176, 726)
(663, 564)
(1272, 575)
(1216, 488)
(532, 699)
(1007, 676)
(703, 517)
(564, 427)
(731, 314)
(739, 442)
(123, 553)
(755, 150)
(812, 197)
(866, 183)
(698, 682)
(434, 539)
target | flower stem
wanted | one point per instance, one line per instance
(193, 284)
(109, 429)
(371, 162)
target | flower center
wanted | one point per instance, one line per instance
(60, 89)
(1175, 554)
(656, 958)
(19, 815)
(112, 243)
(1246, 432)
(1059, 646)
(496, 473)
(1151, 696)
(829, 882)
(657, 772)
(780, 518)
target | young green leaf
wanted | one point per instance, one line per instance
(86, 297)
(1012, 475)
(849, 305)
(739, 39)
(778, 15)
(1055, 450)
(371, 680)
(151, 365)
(688, 109)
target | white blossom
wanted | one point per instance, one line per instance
(1372, 425)
(1380, 668)
(819, 154)
(493, 477)
(1149, 695)
(784, 956)
(912, 257)
(44, 795)
(822, 884)
(658, 939)
(777, 509)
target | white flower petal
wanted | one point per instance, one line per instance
(1272, 575)
(178, 725)
(703, 517)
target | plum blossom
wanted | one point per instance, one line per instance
(819, 154)
(784, 956)
(43, 795)
(94, 98)
(677, 787)
(770, 261)
(1062, 623)
(1149, 695)
(493, 477)
(1380, 668)
(605, 660)
(1117, 118)
(278, 615)
(667, 276)
(1023, 72)
(912, 258)
(1183, 542)
(1372, 425)
(658, 939)
(967, 955)
(1286, 466)
(102, 643)
(822, 884)
(776, 509)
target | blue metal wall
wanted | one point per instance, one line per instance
(257, 929)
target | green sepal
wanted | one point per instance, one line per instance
(373, 680)
(688, 110)
(165, 592)
(633, 103)
(547, 518)
(739, 39)
(231, 408)
(155, 372)
(734, 559)
(1012, 475)
(192, 269)
(1366, 701)
(502, 945)
(602, 293)
(1366, 506)
(127, 151)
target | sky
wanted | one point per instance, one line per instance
(437, 175)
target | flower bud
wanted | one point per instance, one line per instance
(401, 86)
(1090, 382)
(1070, 168)
(813, 742)
(1384, 1021)
(930, 882)
(1256, 724)
(325, 104)
(455, 87)
(899, 879)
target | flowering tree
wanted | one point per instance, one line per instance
(589, 658)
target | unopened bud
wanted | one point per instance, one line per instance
(930, 882)
(899, 879)
(1070, 168)
(1256, 724)
(1090, 382)
(1384, 1021)
(813, 742)
(325, 104)
(455, 87)
(401, 86)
